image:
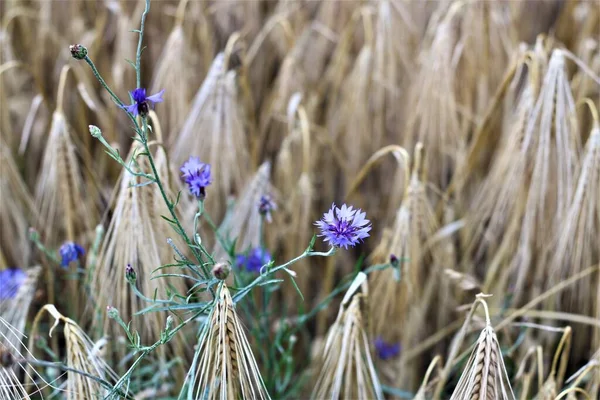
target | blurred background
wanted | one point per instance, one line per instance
(467, 130)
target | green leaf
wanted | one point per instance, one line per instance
(142, 184)
(297, 288)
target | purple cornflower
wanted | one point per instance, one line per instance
(141, 104)
(254, 260)
(197, 175)
(385, 351)
(11, 280)
(265, 206)
(70, 251)
(343, 227)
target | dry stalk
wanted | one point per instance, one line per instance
(554, 381)
(294, 180)
(136, 235)
(177, 71)
(290, 80)
(82, 355)
(65, 209)
(574, 244)
(433, 89)
(484, 376)
(421, 393)
(394, 288)
(332, 17)
(235, 16)
(244, 221)
(345, 368)
(226, 368)
(270, 46)
(525, 374)
(17, 210)
(218, 112)
(12, 366)
(14, 311)
(552, 144)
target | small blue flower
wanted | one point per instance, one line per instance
(385, 351)
(197, 175)
(69, 252)
(265, 206)
(141, 103)
(11, 280)
(343, 227)
(254, 260)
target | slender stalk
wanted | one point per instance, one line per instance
(63, 367)
(143, 139)
(263, 276)
(138, 53)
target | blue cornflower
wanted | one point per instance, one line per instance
(343, 227)
(265, 206)
(11, 280)
(70, 251)
(254, 260)
(197, 175)
(385, 351)
(141, 103)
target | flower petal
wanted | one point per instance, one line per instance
(156, 98)
(133, 109)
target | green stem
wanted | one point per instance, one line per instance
(148, 349)
(143, 139)
(169, 204)
(138, 53)
(307, 253)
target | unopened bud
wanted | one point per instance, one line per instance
(221, 271)
(394, 261)
(95, 131)
(169, 323)
(78, 51)
(33, 234)
(112, 312)
(130, 274)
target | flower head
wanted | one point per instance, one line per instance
(197, 175)
(70, 251)
(11, 280)
(130, 274)
(265, 206)
(254, 260)
(344, 226)
(221, 270)
(78, 51)
(385, 351)
(141, 104)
